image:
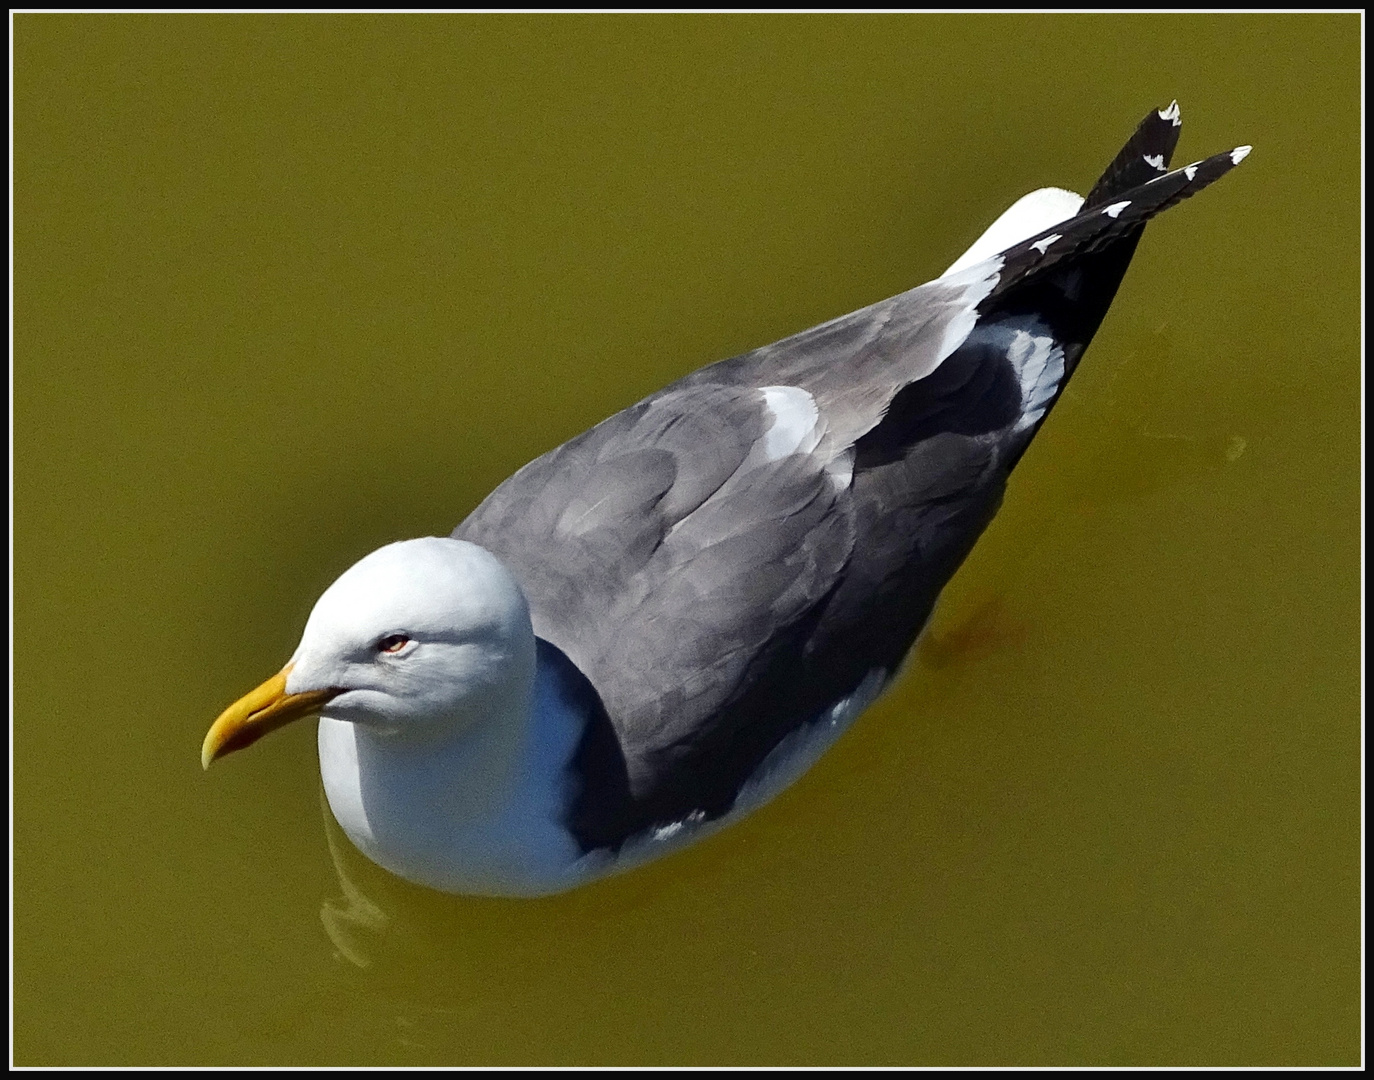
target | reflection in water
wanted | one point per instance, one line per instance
(440, 965)
(988, 629)
(1137, 459)
(382, 923)
(1141, 449)
(453, 971)
(355, 922)
(1146, 461)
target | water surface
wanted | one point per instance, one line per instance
(289, 288)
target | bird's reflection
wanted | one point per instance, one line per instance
(448, 970)
(380, 922)
(354, 922)
(456, 974)
(383, 924)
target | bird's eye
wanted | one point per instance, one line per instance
(393, 643)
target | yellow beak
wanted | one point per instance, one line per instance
(258, 712)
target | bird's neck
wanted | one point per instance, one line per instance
(474, 807)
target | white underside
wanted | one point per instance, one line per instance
(519, 847)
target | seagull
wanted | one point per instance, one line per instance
(654, 628)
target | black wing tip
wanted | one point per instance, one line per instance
(1146, 155)
(1201, 173)
(1098, 226)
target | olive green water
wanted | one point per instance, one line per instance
(289, 288)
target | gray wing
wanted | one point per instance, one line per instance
(665, 554)
(729, 558)
(696, 555)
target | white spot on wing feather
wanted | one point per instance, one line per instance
(1155, 161)
(1240, 153)
(1043, 245)
(1191, 170)
(1171, 113)
(795, 429)
(1115, 209)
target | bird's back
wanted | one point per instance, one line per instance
(730, 558)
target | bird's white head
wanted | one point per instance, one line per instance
(421, 635)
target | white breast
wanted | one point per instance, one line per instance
(392, 804)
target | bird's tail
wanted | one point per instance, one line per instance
(1054, 288)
